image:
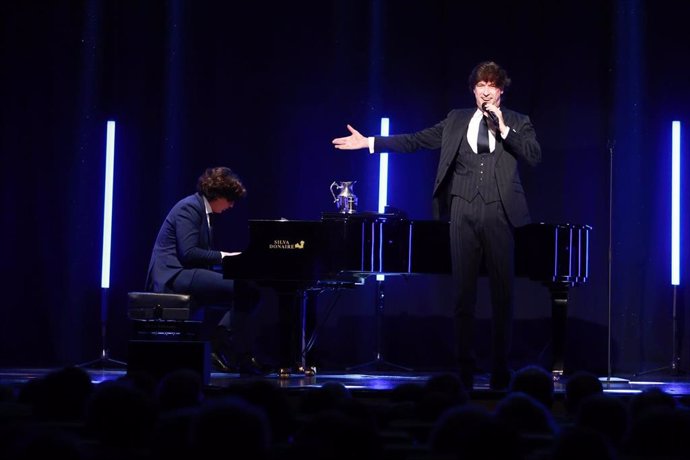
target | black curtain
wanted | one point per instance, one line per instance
(264, 90)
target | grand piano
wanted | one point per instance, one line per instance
(300, 258)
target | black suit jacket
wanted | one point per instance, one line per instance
(520, 145)
(183, 244)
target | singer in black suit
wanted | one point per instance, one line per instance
(477, 188)
(182, 262)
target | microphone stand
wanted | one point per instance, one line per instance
(609, 380)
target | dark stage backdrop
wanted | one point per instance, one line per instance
(264, 90)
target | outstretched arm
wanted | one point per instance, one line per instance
(352, 142)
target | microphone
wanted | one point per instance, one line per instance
(491, 115)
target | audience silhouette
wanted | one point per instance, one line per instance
(578, 386)
(135, 417)
(534, 381)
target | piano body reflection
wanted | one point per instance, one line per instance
(299, 258)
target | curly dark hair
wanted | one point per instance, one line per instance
(491, 72)
(220, 182)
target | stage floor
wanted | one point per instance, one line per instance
(377, 382)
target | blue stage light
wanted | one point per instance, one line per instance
(108, 203)
(383, 176)
(675, 203)
(383, 170)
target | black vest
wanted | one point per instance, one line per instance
(474, 174)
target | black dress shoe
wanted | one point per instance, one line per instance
(222, 342)
(219, 363)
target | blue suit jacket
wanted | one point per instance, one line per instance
(183, 245)
(520, 144)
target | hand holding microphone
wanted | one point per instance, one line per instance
(490, 114)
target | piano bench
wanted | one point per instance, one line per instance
(163, 316)
(156, 305)
(164, 335)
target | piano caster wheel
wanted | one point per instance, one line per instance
(284, 373)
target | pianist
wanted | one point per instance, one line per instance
(182, 261)
(478, 188)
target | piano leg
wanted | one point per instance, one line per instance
(309, 330)
(289, 327)
(296, 317)
(559, 317)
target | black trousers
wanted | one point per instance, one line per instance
(238, 299)
(480, 233)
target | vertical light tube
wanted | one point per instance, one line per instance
(108, 203)
(675, 203)
(383, 177)
(383, 170)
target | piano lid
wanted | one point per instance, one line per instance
(347, 246)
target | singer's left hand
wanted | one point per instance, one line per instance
(489, 107)
(501, 126)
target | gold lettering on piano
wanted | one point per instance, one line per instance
(285, 244)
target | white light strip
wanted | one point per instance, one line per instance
(383, 170)
(675, 203)
(383, 177)
(108, 203)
